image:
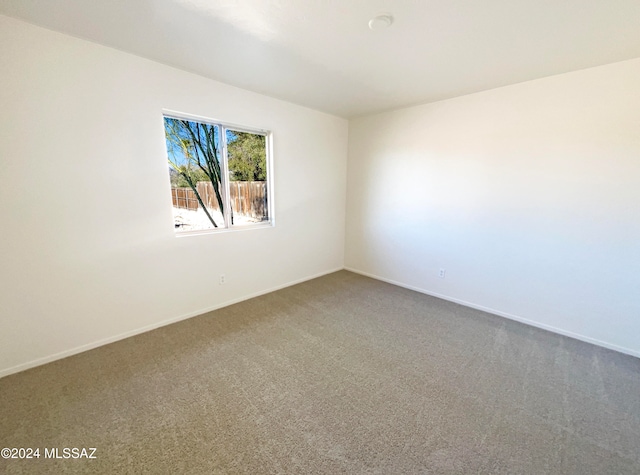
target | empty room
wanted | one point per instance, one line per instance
(320, 236)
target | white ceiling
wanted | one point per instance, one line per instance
(321, 53)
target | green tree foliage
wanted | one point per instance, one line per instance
(179, 181)
(247, 157)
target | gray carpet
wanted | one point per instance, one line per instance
(342, 374)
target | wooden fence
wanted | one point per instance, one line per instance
(248, 198)
(184, 198)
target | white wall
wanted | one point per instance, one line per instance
(528, 196)
(89, 253)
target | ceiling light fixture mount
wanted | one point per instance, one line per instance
(380, 22)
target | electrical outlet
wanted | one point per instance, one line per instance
(223, 279)
(442, 273)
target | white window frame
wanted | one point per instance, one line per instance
(223, 127)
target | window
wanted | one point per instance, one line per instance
(218, 173)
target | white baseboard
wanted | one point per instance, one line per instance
(499, 313)
(122, 336)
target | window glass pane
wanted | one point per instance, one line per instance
(247, 165)
(194, 158)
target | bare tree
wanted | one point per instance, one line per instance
(193, 151)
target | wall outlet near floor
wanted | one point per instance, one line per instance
(223, 279)
(442, 273)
